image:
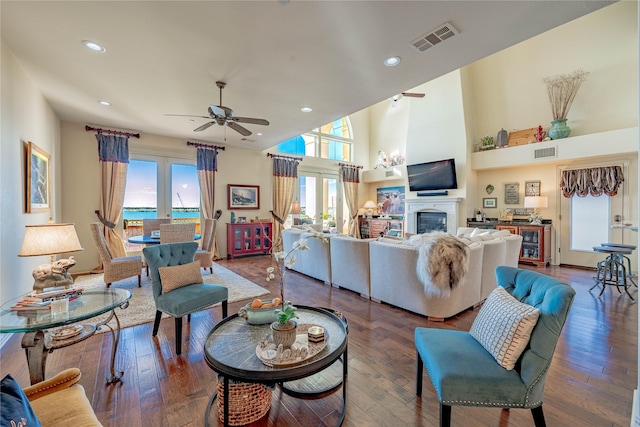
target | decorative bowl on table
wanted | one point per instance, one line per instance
(260, 312)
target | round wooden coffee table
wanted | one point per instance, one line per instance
(230, 350)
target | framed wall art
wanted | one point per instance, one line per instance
(490, 202)
(531, 188)
(38, 182)
(243, 196)
(512, 194)
(390, 200)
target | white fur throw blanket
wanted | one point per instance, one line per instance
(442, 262)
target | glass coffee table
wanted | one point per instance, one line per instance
(43, 331)
(230, 350)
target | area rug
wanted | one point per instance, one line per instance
(142, 308)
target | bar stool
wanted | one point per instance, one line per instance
(612, 270)
(624, 258)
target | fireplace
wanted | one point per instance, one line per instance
(432, 214)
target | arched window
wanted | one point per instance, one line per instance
(332, 141)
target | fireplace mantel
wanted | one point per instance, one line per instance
(431, 204)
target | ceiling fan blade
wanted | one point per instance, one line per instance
(413, 94)
(203, 127)
(239, 129)
(250, 120)
(187, 115)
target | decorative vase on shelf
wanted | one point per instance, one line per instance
(559, 129)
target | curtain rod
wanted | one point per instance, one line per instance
(212, 147)
(350, 165)
(113, 132)
(280, 156)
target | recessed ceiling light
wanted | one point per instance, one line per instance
(105, 103)
(306, 109)
(392, 61)
(93, 46)
(259, 133)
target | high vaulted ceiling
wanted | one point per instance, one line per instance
(164, 57)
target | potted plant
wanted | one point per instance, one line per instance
(487, 143)
(284, 329)
(562, 90)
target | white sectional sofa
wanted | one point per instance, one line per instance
(350, 264)
(316, 262)
(385, 269)
(394, 281)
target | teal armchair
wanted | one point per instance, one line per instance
(183, 300)
(463, 373)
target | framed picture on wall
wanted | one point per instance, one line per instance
(37, 185)
(512, 194)
(243, 196)
(531, 188)
(490, 202)
(390, 200)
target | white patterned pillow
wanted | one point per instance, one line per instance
(180, 275)
(504, 326)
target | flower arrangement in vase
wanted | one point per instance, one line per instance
(562, 90)
(284, 329)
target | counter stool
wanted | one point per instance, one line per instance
(612, 270)
(624, 258)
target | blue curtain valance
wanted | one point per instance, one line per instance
(207, 159)
(113, 148)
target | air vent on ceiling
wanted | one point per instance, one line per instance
(432, 38)
(545, 152)
(247, 140)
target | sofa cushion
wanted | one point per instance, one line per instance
(178, 276)
(15, 409)
(503, 326)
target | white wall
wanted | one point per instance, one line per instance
(26, 116)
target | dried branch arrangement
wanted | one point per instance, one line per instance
(562, 90)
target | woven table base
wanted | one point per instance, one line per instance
(248, 402)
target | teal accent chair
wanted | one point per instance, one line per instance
(187, 299)
(464, 373)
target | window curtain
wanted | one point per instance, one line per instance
(594, 181)
(207, 165)
(285, 175)
(350, 180)
(113, 151)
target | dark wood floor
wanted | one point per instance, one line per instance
(590, 383)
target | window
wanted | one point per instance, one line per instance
(332, 141)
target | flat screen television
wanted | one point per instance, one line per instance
(438, 175)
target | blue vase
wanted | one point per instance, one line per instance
(559, 129)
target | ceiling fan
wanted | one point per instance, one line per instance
(394, 99)
(221, 115)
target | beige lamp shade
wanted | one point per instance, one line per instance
(370, 204)
(536, 202)
(295, 208)
(50, 239)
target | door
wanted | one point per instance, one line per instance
(160, 187)
(321, 202)
(586, 222)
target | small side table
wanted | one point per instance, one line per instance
(37, 326)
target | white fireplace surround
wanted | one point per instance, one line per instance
(432, 204)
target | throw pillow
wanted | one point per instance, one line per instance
(176, 276)
(16, 409)
(504, 326)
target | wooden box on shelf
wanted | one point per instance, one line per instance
(536, 243)
(246, 238)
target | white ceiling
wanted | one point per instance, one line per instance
(275, 56)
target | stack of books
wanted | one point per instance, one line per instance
(42, 301)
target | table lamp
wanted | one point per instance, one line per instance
(370, 205)
(51, 239)
(536, 202)
(295, 211)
